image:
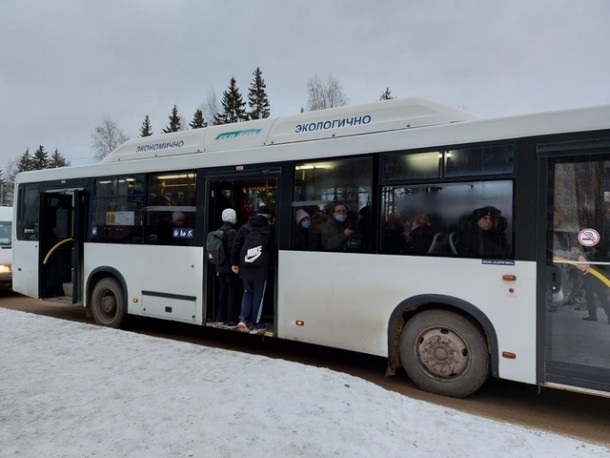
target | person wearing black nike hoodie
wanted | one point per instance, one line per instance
(253, 264)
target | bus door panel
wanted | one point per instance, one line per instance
(61, 234)
(577, 312)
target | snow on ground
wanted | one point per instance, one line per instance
(76, 390)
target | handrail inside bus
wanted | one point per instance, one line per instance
(596, 273)
(57, 245)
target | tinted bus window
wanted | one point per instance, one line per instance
(116, 209)
(169, 215)
(319, 186)
(446, 219)
(28, 212)
(412, 166)
(479, 160)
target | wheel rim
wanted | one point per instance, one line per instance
(108, 305)
(442, 353)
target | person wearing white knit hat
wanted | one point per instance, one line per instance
(230, 288)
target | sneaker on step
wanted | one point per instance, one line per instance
(258, 329)
(241, 326)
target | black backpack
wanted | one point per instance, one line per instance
(215, 248)
(254, 250)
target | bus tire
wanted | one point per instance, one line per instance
(108, 303)
(444, 353)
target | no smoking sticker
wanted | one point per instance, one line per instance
(588, 237)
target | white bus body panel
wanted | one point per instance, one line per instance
(158, 270)
(25, 267)
(345, 300)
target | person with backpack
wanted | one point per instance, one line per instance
(252, 257)
(219, 246)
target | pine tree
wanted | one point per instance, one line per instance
(146, 129)
(257, 97)
(41, 160)
(25, 163)
(58, 160)
(198, 122)
(175, 122)
(386, 95)
(233, 106)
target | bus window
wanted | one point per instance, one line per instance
(411, 166)
(320, 185)
(450, 214)
(474, 161)
(169, 215)
(28, 211)
(479, 160)
(116, 213)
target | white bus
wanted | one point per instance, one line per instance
(6, 253)
(441, 304)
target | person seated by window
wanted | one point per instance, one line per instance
(178, 219)
(339, 233)
(485, 238)
(421, 235)
(393, 240)
(318, 221)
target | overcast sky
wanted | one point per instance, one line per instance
(65, 65)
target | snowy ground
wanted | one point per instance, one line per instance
(75, 390)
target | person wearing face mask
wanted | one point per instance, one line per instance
(339, 234)
(302, 235)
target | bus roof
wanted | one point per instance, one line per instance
(393, 125)
(382, 116)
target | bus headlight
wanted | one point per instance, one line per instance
(4, 269)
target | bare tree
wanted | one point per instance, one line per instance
(211, 106)
(324, 95)
(106, 138)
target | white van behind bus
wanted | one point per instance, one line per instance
(6, 253)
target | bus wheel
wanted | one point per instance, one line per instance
(444, 353)
(108, 303)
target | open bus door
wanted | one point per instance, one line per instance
(245, 193)
(62, 214)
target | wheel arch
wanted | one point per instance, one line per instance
(103, 272)
(413, 305)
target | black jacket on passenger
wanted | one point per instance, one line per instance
(248, 271)
(420, 239)
(228, 239)
(477, 243)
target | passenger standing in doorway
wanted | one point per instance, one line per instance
(252, 257)
(231, 286)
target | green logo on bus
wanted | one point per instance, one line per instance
(238, 133)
